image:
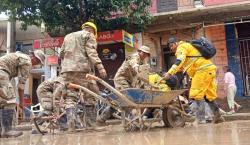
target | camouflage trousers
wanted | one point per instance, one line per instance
(6, 89)
(46, 100)
(73, 96)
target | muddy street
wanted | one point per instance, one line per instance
(229, 133)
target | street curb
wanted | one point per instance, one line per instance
(237, 116)
(25, 127)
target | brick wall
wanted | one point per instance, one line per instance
(153, 41)
(217, 36)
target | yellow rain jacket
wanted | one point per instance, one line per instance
(202, 71)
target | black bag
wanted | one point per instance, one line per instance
(204, 46)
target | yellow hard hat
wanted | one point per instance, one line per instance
(90, 24)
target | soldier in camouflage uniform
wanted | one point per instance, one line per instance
(49, 90)
(78, 56)
(126, 77)
(14, 65)
(126, 74)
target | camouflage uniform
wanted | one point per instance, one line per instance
(79, 55)
(49, 89)
(126, 76)
(11, 65)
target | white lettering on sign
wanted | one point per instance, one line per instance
(106, 36)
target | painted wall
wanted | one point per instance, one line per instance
(153, 8)
(3, 41)
(234, 57)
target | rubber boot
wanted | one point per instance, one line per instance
(6, 124)
(104, 116)
(200, 111)
(63, 123)
(215, 109)
(71, 119)
(90, 116)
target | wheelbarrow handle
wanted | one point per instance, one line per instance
(75, 86)
(92, 77)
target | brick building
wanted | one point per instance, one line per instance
(225, 24)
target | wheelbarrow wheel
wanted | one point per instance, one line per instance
(45, 126)
(172, 118)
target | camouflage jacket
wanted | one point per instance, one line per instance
(16, 65)
(129, 70)
(51, 86)
(79, 53)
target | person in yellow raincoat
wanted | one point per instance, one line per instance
(203, 74)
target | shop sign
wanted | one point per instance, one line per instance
(36, 44)
(52, 42)
(128, 39)
(52, 60)
(109, 36)
(48, 43)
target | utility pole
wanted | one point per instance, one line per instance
(11, 36)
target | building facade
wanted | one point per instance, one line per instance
(225, 24)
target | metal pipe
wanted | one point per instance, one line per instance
(118, 93)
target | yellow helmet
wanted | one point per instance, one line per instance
(90, 24)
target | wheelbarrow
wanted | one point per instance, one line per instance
(173, 114)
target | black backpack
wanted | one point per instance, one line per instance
(204, 46)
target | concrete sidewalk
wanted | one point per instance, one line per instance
(237, 116)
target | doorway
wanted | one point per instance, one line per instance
(244, 49)
(112, 56)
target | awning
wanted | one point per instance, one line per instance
(196, 16)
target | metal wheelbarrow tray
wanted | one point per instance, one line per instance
(173, 114)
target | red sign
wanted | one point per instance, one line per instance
(52, 42)
(36, 44)
(52, 60)
(107, 36)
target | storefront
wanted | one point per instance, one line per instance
(51, 48)
(113, 48)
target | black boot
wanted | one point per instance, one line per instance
(71, 119)
(104, 116)
(217, 116)
(90, 116)
(6, 124)
(200, 112)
